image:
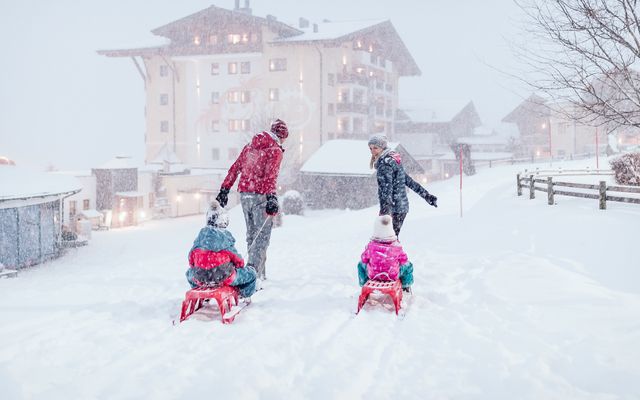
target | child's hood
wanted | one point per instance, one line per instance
(214, 239)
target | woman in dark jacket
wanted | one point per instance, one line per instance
(392, 180)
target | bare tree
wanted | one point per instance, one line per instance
(583, 54)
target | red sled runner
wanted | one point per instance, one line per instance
(392, 289)
(225, 296)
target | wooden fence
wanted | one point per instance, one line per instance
(530, 179)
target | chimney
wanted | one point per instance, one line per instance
(271, 18)
(315, 28)
(237, 7)
(303, 23)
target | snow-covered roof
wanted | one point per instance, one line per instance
(21, 183)
(480, 155)
(328, 30)
(342, 157)
(92, 213)
(78, 173)
(165, 154)
(493, 139)
(118, 162)
(130, 194)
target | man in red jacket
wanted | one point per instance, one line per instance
(258, 166)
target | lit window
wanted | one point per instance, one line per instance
(245, 38)
(245, 96)
(278, 64)
(274, 94)
(196, 40)
(232, 68)
(233, 38)
(215, 68)
(233, 96)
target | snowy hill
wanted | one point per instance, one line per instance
(517, 300)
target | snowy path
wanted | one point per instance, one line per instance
(516, 300)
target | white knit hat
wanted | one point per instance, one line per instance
(217, 216)
(383, 228)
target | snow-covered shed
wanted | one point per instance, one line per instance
(338, 175)
(31, 205)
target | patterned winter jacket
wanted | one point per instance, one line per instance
(215, 248)
(258, 166)
(384, 259)
(392, 180)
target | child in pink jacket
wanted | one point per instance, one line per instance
(383, 259)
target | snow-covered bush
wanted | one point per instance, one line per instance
(292, 203)
(627, 169)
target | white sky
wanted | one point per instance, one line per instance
(64, 105)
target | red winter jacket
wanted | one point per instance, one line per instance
(258, 165)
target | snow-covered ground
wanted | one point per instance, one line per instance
(516, 300)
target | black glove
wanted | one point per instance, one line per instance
(272, 204)
(223, 196)
(431, 199)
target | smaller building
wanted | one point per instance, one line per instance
(338, 175)
(31, 205)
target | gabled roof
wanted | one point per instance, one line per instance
(342, 157)
(215, 15)
(20, 184)
(389, 41)
(533, 104)
(165, 154)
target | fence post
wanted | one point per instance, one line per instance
(532, 193)
(603, 195)
(549, 191)
(519, 185)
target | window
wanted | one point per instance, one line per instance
(343, 96)
(331, 109)
(232, 68)
(233, 96)
(215, 68)
(164, 99)
(233, 38)
(358, 127)
(245, 38)
(72, 207)
(358, 96)
(215, 97)
(254, 38)
(373, 59)
(164, 70)
(86, 203)
(274, 94)
(215, 125)
(331, 79)
(245, 67)
(343, 125)
(245, 96)
(213, 39)
(164, 126)
(233, 153)
(238, 125)
(215, 154)
(196, 40)
(278, 64)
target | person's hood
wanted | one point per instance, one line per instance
(214, 239)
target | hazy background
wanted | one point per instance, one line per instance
(65, 106)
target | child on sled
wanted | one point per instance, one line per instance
(384, 259)
(214, 260)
